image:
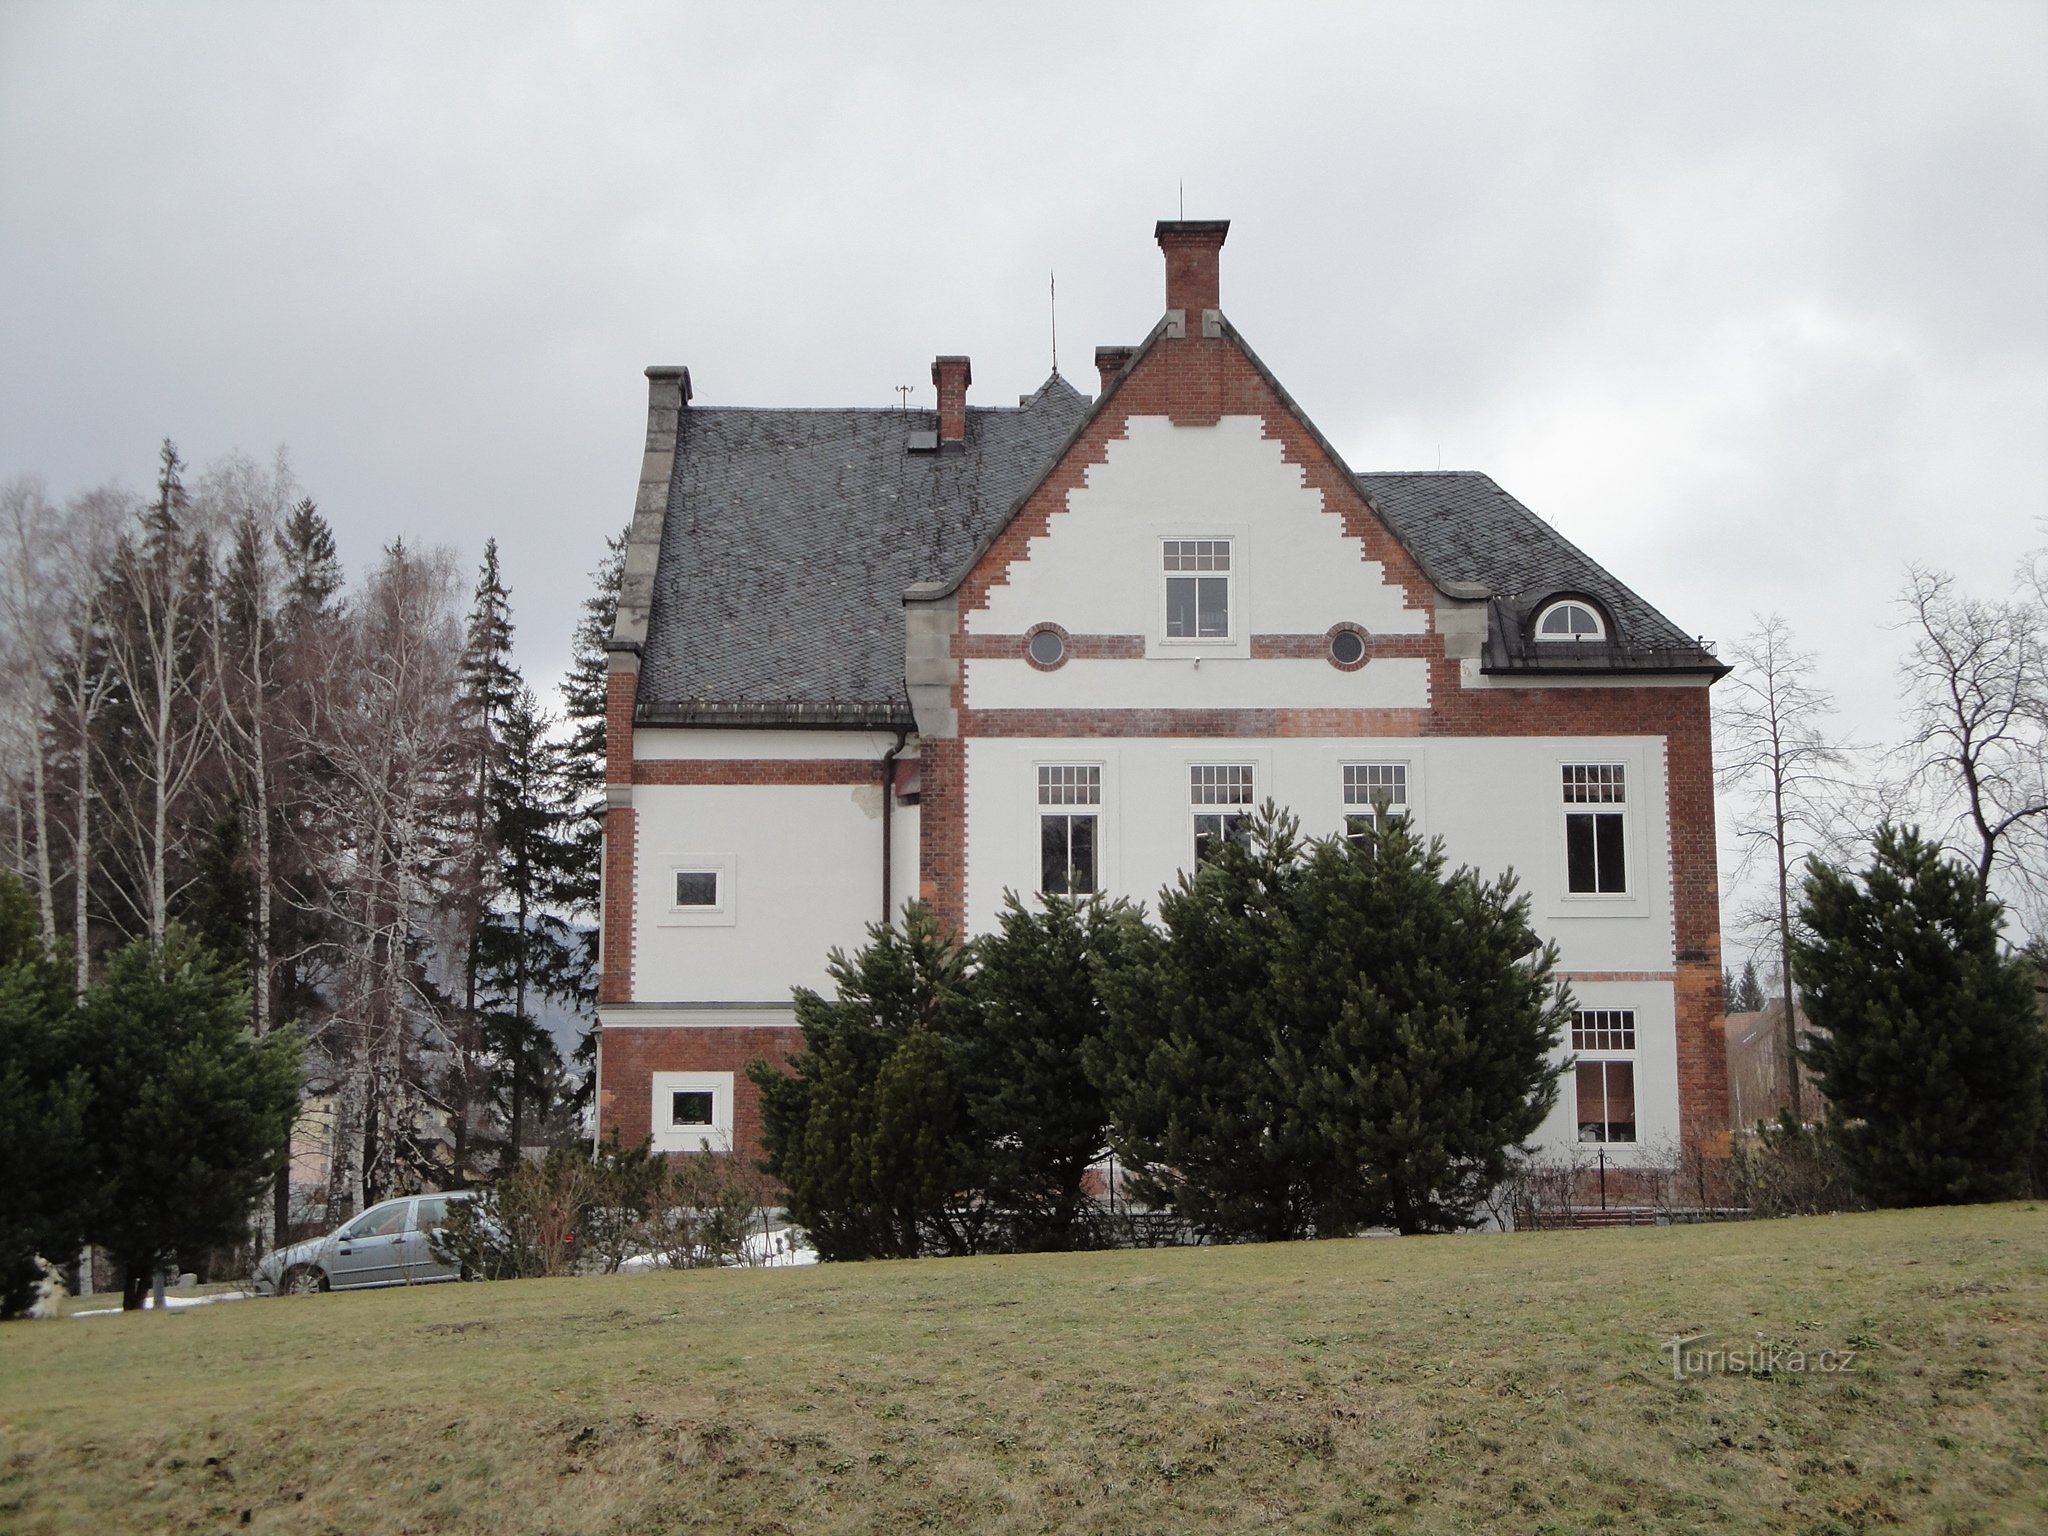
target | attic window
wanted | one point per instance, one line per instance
(1570, 619)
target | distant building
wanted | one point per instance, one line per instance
(1068, 645)
(1757, 1084)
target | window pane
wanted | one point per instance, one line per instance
(1621, 1100)
(1052, 855)
(1604, 1029)
(1580, 874)
(1180, 607)
(696, 888)
(1207, 830)
(1070, 785)
(1238, 829)
(430, 1213)
(690, 1106)
(1357, 828)
(1215, 606)
(1592, 1087)
(1226, 784)
(1613, 866)
(1081, 865)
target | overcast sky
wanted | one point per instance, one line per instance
(1752, 303)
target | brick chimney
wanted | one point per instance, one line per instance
(1109, 362)
(1193, 250)
(952, 375)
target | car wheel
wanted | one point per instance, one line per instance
(304, 1281)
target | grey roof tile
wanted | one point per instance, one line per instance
(1461, 527)
(791, 535)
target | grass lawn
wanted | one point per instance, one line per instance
(1501, 1384)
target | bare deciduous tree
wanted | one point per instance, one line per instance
(1789, 779)
(1976, 679)
(31, 622)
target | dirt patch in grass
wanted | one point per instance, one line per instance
(1510, 1384)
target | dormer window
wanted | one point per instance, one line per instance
(1570, 619)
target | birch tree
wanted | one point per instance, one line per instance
(31, 622)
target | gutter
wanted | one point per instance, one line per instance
(888, 809)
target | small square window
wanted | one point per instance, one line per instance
(696, 887)
(693, 1109)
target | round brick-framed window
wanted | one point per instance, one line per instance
(1045, 647)
(1348, 650)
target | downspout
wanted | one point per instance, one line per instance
(888, 806)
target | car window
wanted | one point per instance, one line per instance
(430, 1213)
(378, 1220)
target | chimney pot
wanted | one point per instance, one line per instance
(1193, 250)
(952, 375)
(1110, 361)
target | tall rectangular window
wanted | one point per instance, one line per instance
(1373, 792)
(1595, 829)
(1222, 798)
(1066, 833)
(1607, 1100)
(1198, 589)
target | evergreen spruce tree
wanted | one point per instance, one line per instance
(46, 1191)
(1744, 994)
(1040, 1120)
(1926, 1045)
(190, 1115)
(527, 951)
(1201, 1112)
(1329, 1036)
(584, 693)
(1413, 1015)
(313, 577)
(868, 1130)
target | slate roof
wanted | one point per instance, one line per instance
(790, 536)
(1463, 528)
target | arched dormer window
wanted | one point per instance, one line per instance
(1570, 618)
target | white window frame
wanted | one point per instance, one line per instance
(1237, 641)
(1197, 809)
(1608, 1022)
(1092, 808)
(669, 1137)
(1599, 621)
(1628, 894)
(1353, 808)
(725, 913)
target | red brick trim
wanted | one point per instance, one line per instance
(757, 770)
(615, 982)
(1617, 975)
(942, 831)
(1317, 647)
(619, 689)
(633, 1056)
(1079, 647)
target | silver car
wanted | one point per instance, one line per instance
(389, 1244)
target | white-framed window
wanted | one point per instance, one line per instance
(1069, 820)
(699, 890)
(1595, 829)
(1570, 619)
(691, 1111)
(1605, 1075)
(1373, 793)
(1222, 797)
(1198, 595)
